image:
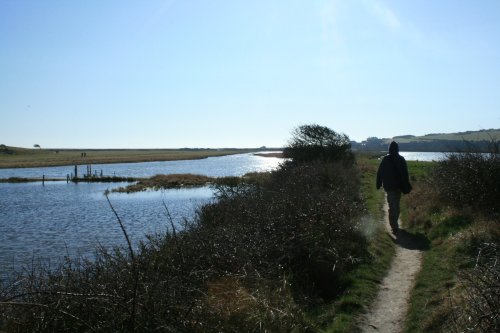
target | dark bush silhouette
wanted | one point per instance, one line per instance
(315, 142)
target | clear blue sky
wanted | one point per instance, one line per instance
(172, 74)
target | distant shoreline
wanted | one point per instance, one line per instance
(13, 158)
(279, 155)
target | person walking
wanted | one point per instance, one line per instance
(393, 175)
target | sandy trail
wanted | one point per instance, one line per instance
(388, 311)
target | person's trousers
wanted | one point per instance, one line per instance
(393, 198)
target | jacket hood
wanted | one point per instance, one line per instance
(393, 148)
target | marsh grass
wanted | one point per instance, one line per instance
(20, 180)
(159, 182)
(170, 181)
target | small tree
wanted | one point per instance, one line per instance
(315, 142)
(37, 146)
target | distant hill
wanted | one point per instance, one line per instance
(460, 136)
(483, 140)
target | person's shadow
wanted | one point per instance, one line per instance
(410, 241)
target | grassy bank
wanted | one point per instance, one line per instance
(455, 205)
(11, 157)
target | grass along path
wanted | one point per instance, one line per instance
(388, 311)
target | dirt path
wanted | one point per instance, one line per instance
(388, 311)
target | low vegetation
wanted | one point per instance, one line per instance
(162, 182)
(159, 182)
(294, 250)
(19, 180)
(456, 207)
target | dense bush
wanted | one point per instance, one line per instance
(302, 223)
(470, 179)
(250, 262)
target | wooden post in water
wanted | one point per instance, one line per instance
(43, 180)
(76, 171)
(89, 170)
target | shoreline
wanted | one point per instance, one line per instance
(168, 181)
(104, 179)
(25, 158)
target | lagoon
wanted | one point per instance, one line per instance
(58, 219)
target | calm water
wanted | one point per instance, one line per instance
(423, 156)
(70, 219)
(232, 165)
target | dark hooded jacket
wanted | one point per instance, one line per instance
(392, 171)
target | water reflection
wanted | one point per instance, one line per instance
(424, 156)
(71, 219)
(232, 165)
